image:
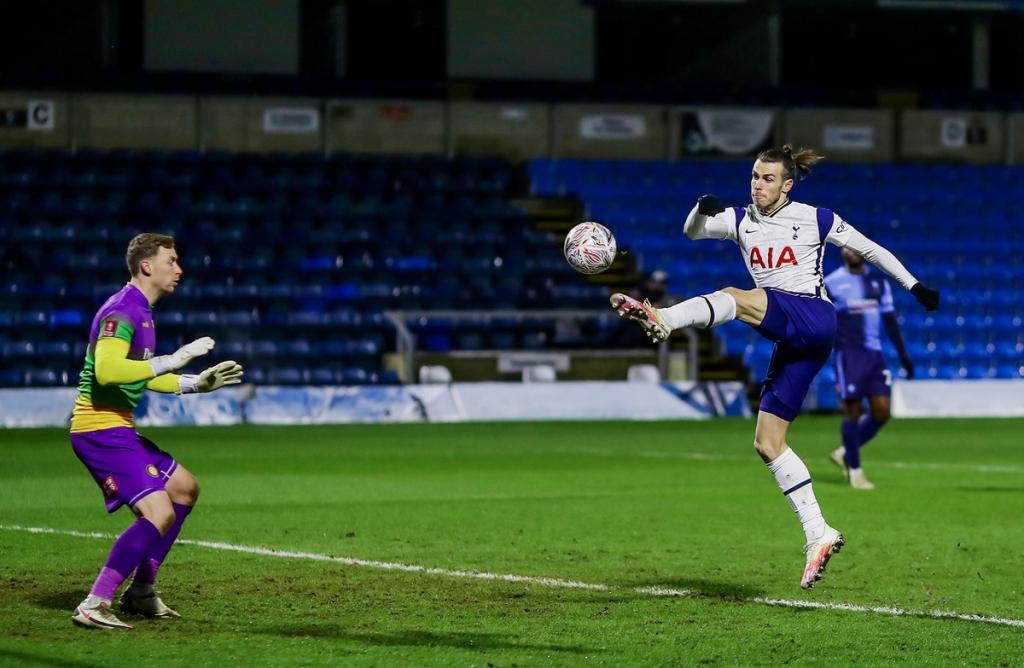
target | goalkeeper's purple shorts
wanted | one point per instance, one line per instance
(803, 328)
(126, 465)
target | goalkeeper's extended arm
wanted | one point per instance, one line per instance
(114, 368)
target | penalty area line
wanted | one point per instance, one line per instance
(555, 583)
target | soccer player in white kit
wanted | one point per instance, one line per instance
(783, 243)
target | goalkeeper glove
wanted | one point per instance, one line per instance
(182, 356)
(927, 297)
(214, 378)
(709, 205)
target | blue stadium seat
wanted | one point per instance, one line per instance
(55, 350)
(321, 376)
(285, 376)
(20, 350)
(264, 348)
(232, 349)
(353, 376)
(45, 378)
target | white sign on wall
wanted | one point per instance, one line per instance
(849, 137)
(291, 120)
(725, 131)
(953, 132)
(41, 115)
(613, 126)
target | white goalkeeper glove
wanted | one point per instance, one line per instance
(182, 356)
(214, 378)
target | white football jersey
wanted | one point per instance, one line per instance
(785, 249)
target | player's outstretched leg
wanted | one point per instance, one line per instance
(704, 311)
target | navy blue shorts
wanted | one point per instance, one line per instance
(861, 373)
(803, 328)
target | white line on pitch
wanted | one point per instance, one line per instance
(719, 456)
(557, 583)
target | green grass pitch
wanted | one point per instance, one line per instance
(626, 506)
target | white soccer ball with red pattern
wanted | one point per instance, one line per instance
(590, 248)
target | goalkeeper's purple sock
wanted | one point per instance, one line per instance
(851, 443)
(145, 574)
(867, 427)
(130, 548)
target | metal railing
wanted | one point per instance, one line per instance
(406, 340)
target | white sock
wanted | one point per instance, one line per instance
(794, 480)
(703, 311)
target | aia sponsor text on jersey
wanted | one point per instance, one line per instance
(772, 260)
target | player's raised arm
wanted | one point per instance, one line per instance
(843, 235)
(709, 219)
(114, 368)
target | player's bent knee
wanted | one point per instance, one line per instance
(183, 488)
(187, 494)
(768, 450)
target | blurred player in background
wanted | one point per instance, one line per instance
(129, 468)
(863, 301)
(782, 242)
(655, 288)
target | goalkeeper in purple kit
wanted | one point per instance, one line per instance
(129, 468)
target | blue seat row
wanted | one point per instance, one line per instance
(947, 222)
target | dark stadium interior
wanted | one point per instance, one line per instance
(292, 258)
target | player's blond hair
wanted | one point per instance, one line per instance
(796, 165)
(145, 246)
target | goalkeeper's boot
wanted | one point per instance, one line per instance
(860, 481)
(818, 552)
(838, 458)
(97, 615)
(147, 605)
(645, 314)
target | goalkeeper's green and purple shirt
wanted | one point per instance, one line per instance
(128, 316)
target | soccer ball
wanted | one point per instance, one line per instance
(590, 248)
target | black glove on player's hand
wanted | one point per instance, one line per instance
(927, 297)
(709, 205)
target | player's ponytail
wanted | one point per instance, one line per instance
(795, 164)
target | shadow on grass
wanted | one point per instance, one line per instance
(704, 588)
(21, 658)
(60, 600)
(484, 641)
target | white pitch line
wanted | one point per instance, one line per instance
(556, 583)
(719, 456)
